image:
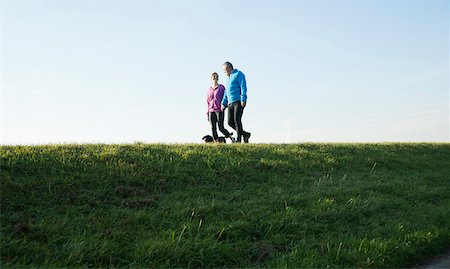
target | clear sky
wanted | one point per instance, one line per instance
(317, 71)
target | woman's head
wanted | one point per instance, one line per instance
(214, 76)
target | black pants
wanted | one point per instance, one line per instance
(235, 111)
(216, 118)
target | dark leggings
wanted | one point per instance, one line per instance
(235, 111)
(216, 118)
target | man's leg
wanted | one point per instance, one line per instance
(238, 116)
(231, 117)
(213, 121)
(220, 116)
(238, 121)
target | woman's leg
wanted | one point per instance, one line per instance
(213, 122)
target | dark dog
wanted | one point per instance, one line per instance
(210, 139)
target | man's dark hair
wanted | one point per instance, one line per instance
(228, 64)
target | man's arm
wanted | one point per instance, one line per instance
(224, 100)
(243, 85)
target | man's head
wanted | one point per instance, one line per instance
(227, 68)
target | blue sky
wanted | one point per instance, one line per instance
(317, 71)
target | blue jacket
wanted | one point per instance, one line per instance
(236, 89)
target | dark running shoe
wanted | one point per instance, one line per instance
(246, 137)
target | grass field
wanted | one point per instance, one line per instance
(251, 205)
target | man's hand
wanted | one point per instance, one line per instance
(243, 104)
(223, 107)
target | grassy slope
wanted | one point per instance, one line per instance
(305, 205)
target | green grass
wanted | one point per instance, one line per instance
(273, 205)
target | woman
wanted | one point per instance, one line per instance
(215, 113)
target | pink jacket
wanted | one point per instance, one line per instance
(214, 98)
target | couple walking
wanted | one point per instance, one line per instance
(233, 97)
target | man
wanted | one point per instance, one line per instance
(235, 98)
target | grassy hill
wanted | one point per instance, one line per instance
(274, 205)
